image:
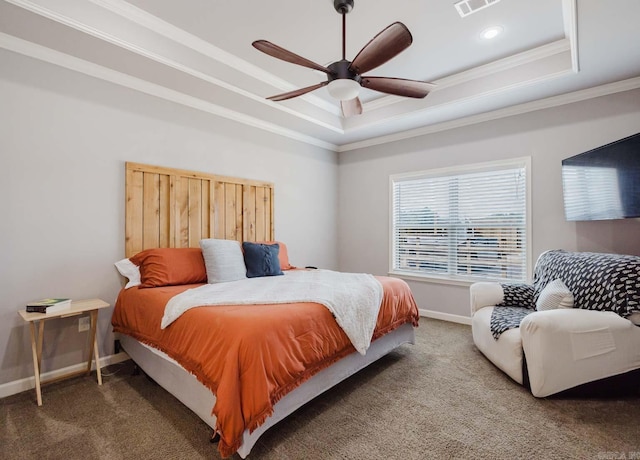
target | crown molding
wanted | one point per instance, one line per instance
(469, 98)
(570, 16)
(58, 58)
(177, 35)
(180, 37)
(42, 53)
(191, 42)
(550, 102)
(504, 64)
(501, 65)
(151, 22)
(570, 42)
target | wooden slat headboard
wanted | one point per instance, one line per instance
(173, 208)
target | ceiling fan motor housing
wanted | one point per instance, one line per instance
(343, 6)
(341, 70)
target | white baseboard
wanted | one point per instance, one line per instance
(445, 316)
(18, 386)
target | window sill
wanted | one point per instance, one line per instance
(433, 279)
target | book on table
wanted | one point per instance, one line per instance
(49, 306)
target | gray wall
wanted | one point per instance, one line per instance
(64, 139)
(547, 136)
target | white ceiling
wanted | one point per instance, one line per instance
(198, 53)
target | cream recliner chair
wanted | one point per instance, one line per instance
(578, 321)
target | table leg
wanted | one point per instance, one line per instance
(36, 366)
(94, 341)
(40, 340)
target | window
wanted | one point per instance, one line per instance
(467, 223)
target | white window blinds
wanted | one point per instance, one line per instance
(464, 223)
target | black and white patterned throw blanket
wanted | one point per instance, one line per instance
(517, 303)
(505, 318)
(605, 282)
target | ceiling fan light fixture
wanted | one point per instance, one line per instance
(343, 89)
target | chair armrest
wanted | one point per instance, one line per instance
(568, 347)
(565, 320)
(485, 294)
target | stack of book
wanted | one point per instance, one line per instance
(49, 306)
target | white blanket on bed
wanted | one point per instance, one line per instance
(353, 298)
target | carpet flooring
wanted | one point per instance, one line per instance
(437, 399)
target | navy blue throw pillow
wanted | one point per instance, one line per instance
(261, 259)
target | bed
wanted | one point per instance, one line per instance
(240, 368)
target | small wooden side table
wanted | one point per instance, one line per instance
(78, 307)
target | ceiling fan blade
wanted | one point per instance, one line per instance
(398, 86)
(384, 46)
(297, 92)
(281, 53)
(351, 107)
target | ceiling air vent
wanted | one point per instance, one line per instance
(467, 7)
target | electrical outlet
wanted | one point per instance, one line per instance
(84, 324)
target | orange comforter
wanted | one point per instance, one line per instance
(250, 356)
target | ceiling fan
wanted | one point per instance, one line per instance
(344, 78)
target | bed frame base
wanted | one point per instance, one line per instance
(186, 388)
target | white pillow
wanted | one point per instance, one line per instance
(635, 318)
(223, 260)
(130, 271)
(554, 295)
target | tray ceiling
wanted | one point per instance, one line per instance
(198, 53)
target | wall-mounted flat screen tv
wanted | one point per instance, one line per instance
(603, 183)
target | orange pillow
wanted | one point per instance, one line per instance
(283, 255)
(170, 266)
